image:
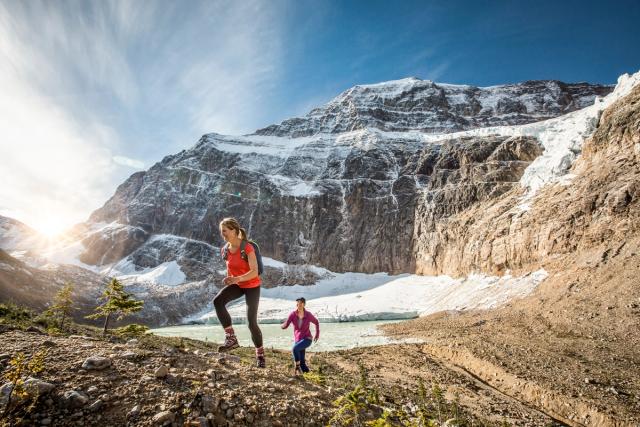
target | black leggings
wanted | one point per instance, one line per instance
(251, 297)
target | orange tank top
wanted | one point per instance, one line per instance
(236, 266)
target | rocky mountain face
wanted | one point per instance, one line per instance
(600, 206)
(359, 214)
(349, 200)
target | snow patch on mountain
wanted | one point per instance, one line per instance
(392, 88)
(167, 273)
(68, 253)
(259, 144)
(294, 187)
(562, 137)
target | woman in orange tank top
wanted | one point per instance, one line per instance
(242, 279)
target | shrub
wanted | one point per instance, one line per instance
(314, 377)
(132, 330)
(21, 368)
(354, 407)
(12, 313)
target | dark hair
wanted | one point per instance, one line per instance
(233, 224)
(304, 301)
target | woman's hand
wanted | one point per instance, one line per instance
(315, 340)
(229, 280)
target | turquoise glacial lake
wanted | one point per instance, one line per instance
(333, 336)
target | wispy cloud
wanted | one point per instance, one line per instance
(236, 83)
(54, 166)
(125, 161)
(81, 81)
(436, 71)
(401, 54)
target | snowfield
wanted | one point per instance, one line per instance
(356, 297)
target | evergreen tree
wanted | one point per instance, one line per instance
(117, 302)
(62, 304)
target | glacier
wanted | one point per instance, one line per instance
(357, 297)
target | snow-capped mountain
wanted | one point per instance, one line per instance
(367, 183)
(348, 200)
(413, 104)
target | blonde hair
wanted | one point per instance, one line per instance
(233, 224)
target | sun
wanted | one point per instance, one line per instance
(51, 226)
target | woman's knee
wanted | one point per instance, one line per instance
(218, 302)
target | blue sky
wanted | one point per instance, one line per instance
(91, 91)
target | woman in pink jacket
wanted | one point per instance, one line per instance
(301, 320)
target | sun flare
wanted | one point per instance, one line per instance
(51, 226)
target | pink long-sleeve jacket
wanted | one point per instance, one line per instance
(302, 331)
